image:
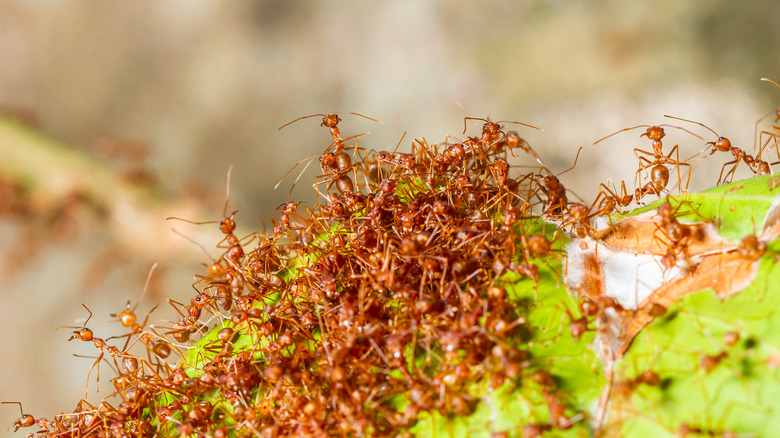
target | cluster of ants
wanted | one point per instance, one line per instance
(392, 297)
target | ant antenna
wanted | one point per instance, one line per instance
(487, 120)
(227, 190)
(293, 168)
(15, 403)
(326, 115)
(90, 315)
(771, 81)
(146, 284)
(399, 143)
(573, 165)
(299, 118)
(693, 121)
(648, 126)
(193, 241)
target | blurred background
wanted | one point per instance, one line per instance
(116, 115)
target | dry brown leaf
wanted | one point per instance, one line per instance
(713, 263)
(643, 233)
(726, 273)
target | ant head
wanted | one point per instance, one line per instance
(328, 159)
(491, 128)
(551, 181)
(330, 120)
(721, 144)
(384, 156)
(387, 186)
(228, 225)
(84, 334)
(289, 207)
(654, 133)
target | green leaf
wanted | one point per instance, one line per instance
(737, 209)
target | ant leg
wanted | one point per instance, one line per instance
(676, 150)
(97, 363)
(730, 172)
(720, 177)
(644, 163)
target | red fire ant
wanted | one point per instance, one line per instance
(555, 191)
(578, 326)
(86, 335)
(657, 161)
(679, 235)
(610, 200)
(287, 208)
(723, 144)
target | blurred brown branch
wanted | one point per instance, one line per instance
(52, 175)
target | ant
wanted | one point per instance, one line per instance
(685, 430)
(625, 388)
(656, 161)
(679, 235)
(189, 325)
(216, 270)
(374, 171)
(555, 191)
(751, 247)
(579, 218)
(577, 326)
(287, 208)
(723, 144)
(536, 430)
(86, 335)
(610, 200)
(331, 121)
(709, 362)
